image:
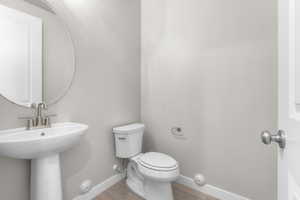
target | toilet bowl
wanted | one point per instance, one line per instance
(134, 179)
(148, 174)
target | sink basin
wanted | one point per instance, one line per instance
(42, 147)
(31, 144)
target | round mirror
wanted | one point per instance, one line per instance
(37, 61)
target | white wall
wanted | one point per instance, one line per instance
(209, 67)
(105, 93)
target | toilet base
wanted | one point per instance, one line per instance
(136, 186)
(151, 190)
(158, 190)
(148, 188)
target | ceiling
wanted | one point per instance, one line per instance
(40, 3)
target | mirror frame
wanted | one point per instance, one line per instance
(68, 88)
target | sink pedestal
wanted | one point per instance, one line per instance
(46, 178)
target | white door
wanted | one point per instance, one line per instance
(288, 99)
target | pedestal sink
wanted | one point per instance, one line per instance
(42, 147)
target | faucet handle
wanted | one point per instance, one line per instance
(30, 122)
(47, 120)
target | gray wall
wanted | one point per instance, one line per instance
(209, 67)
(105, 93)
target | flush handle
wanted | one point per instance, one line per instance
(122, 138)
(280, 138)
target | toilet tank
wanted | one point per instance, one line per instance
(128, 140)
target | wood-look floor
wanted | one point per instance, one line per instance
(120, 191)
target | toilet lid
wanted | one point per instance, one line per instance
(158, 160)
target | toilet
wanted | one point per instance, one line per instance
(148, 174)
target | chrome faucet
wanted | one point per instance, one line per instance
(39, 120)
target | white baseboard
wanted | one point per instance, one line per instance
(210, 190)
(98, 189)
(207, 189)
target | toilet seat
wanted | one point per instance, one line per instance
(157, 166)
(158, 175)
(158, 161)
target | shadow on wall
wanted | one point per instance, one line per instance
(75, 159)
